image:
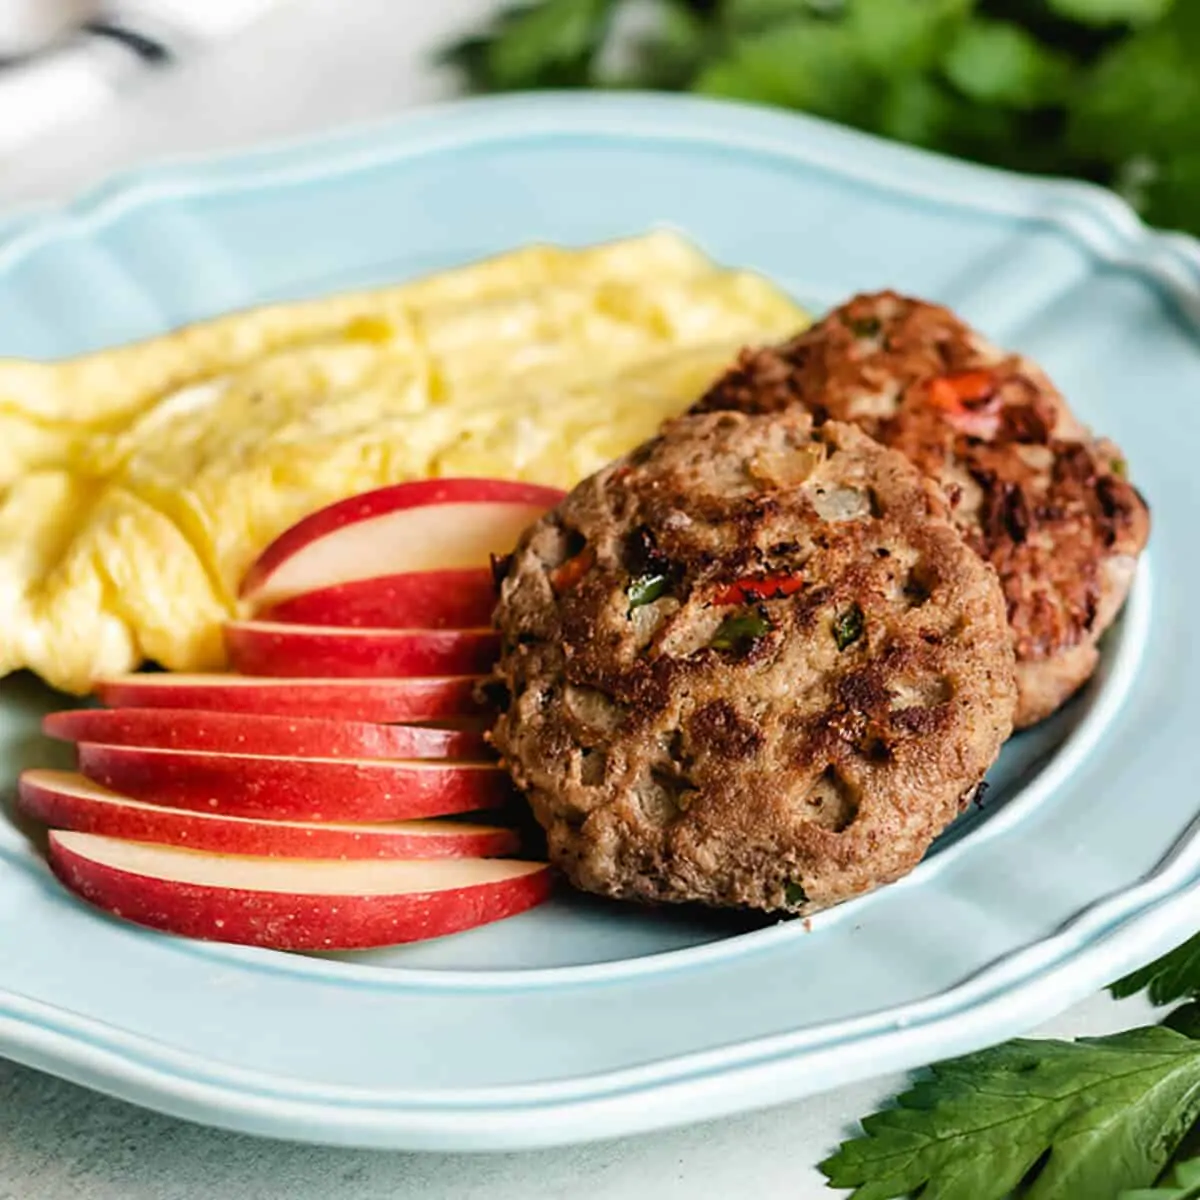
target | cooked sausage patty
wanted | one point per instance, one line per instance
(751, 663)
(1045, 503)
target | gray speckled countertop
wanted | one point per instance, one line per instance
(59, 1142)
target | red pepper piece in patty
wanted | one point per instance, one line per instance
(565, 577)
(764, 587)
(969, 400)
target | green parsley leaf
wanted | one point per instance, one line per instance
(1071, 1119)
(805, 63)
(897, 36)
(848, 627)
(995, 62)
(1185, 1020)
(918, 110)
(468, 56)
(555, 35)
(645, 589)
(1172, 196)
(794, 893)
(1103, 89)
(1174, 976)
(752, 16)
(1111, 12)
(1183, 1183)
(542, 44)
(925, 110)
(669, 53)
(1142, 97)
(739, 632)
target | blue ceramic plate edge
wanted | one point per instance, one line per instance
(1091, 214)
(73, 1047)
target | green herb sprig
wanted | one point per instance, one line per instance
(1105, 90)
(1182, 1183)
(1047, 1120)
(1175, 976)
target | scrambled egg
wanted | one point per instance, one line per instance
(137, 484)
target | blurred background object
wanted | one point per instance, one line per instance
(1103, 90)
(30, 25)
(63, 58)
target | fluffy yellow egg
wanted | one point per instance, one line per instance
(141, 481)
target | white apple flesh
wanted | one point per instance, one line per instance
(294, 904)
(64, 800)
(279, 787)
(435, 524)
(246, 733)
(414, 699)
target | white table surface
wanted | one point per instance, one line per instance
(311, 66)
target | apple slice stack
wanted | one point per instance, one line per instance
(300, 802)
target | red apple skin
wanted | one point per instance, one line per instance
(277, 649)
(63, 800)
(385, 500)
(428, 699)
(295, 789)
(276, 921)
(244, 733)
(461, 599)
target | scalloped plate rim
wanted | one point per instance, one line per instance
(1150, 915)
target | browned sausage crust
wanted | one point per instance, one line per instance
(1045, 503)
(751, 663)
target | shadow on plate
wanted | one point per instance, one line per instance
(24, 701)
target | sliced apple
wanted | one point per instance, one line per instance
(244, 733)
(64, 800)
(288, 788)
(275, 648)
(439, 698)
(461, 599)
(431, 525)
(293, 904)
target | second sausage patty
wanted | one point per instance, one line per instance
(1035, 494)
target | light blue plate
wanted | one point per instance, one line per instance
(586, 1020)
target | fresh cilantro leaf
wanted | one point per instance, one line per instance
(1071, 1119)
(805, 63)
(1111, 12)
(1182, 1183)
(897, 36)
(1170, 978)
(998, 63)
